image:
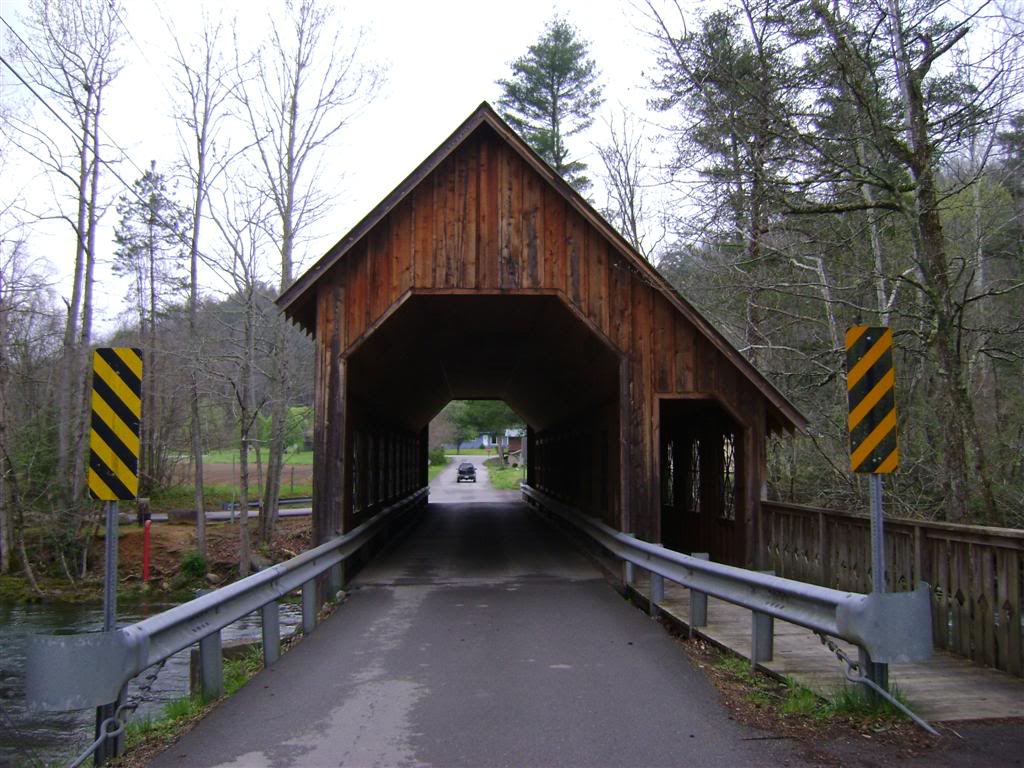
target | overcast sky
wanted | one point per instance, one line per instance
(441, 58)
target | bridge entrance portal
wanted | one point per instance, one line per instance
(484, 275)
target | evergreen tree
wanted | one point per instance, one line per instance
(553, 94)
(151, 246)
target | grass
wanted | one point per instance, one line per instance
(230, 455)
(179, 712)
(181, 496)
(793, 699)
(504, 478)
(435, 469)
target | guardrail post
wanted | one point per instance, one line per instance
(628, 571)
(875, 672)
(308, 607)
(211, 666)
(698, 601)
(334, 580)
(111, 747)
(657, 596)
(657, 593)
(762, 635)
(271, 625)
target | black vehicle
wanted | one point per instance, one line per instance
(467, 472)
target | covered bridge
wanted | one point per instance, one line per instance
(485, 275)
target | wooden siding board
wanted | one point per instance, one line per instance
(573, 235)
(423, 203)
(664, 339)
(532, 231)
(438, 249)
(685, 348)
(554, 235)
(469, 210)
(487, 269)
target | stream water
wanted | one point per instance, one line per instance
(37, 739)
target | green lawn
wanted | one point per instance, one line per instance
(181, 496)
(230, 455)
(504, 478)
(435, 469)
(472, 452)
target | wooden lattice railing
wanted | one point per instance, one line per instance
(976, 573)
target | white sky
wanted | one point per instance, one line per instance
(442, 58)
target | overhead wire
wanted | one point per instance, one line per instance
(130, 188)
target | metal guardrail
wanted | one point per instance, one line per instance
(891, 627)
(886, 627)
(229, 506)
(66, 672)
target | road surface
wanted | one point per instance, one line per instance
(481, 639)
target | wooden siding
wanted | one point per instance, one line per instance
(484, 221)
(976, 573)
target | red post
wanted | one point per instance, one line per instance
(145, 550)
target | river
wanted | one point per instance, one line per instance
(36, 739)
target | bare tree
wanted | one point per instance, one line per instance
(296, 94)
(241, 218)
(69, 61)
(918, 39)
(203, 82)
(28, 340)
(625, 168)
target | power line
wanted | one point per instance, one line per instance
(106, 163)
(36, 94)
(106, 135)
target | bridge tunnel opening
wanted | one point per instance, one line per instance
(532, 351)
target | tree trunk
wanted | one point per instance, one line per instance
(248, 416)
(278, 416)
(70, 383)
(960, 433)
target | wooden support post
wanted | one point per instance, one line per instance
(824, 551)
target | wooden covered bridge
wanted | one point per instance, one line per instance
(484, 275)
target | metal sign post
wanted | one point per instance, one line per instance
(871, 390)
(113, 475)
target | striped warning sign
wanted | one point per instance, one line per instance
(871, 388)
(114, 438)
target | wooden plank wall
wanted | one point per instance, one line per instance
(485, 222)
(976, 573)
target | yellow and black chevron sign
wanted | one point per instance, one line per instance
(114, 438)
(871, 388)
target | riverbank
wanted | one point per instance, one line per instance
(174, 572)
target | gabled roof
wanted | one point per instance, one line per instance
(298, 302)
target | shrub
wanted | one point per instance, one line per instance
(437, 457)
(193, 565)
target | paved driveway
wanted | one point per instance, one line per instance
(481, 639)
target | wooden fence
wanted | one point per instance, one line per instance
(976, 573)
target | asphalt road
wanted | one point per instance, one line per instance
(481, 639)
(446, 490)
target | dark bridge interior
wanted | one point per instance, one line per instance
(530, 351)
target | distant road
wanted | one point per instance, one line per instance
(161, 517)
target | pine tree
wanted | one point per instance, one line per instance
(552, 95)
(151, 245)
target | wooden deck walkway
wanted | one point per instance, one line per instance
(946, 688)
